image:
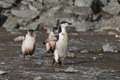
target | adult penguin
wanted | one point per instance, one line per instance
(61, 44)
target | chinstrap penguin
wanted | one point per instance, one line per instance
(61, 44)
(28, 44)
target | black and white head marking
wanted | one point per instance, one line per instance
(30, 31)
(63, 24)
(55, 29)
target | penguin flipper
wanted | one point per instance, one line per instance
(19, 38)
(49, 40)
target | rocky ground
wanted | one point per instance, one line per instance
(89, 57)
(94, 41)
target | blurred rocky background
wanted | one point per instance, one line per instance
(95, 15)
(94, 39)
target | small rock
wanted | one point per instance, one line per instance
(117, 36)
(70, 54)
(112, 33)
(84, 51)
(94, 58)
(108, 48)
(71, 70)
(32, 7)
(38, 78)
(3, 72)
(39, 63)
(100, 54)
(2, 63)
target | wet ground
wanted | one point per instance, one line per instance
(93, 65)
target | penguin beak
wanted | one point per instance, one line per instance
(31, 33)
(69, 23)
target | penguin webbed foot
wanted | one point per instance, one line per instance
(43, 42)
(48, 51)
(53, 62)
(60, 63)
(24, 59)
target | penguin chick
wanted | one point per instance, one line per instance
(28, 44)
(50, 42)
(61, 44)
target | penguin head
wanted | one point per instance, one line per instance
(55, 29)
(65, 24)
(31, 32)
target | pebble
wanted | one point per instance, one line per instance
(70, 54)
(94, 58)
(3, 72)
(71, 70)
(2, 63)
(84, 51)
(38, 78)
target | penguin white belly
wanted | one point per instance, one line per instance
(28, 44)
(61, 46)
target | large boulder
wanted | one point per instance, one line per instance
(66, 17)
(83, 26)
(82, 10)
(27, 14)
(34, 26)
(11, 1)
(113, 8)
(83, 3)
(50, 3)
(66, 14)
(48, 19)
(5, 5)
(111, 24)
(11, 24)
